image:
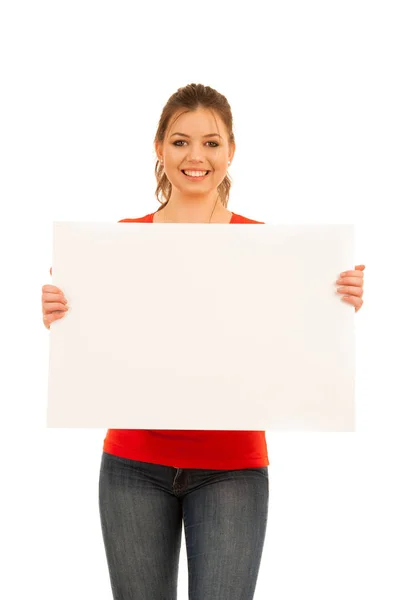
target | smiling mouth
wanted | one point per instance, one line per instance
(194, 176)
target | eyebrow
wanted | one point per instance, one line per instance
(188, 136)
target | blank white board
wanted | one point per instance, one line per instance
(192, 326)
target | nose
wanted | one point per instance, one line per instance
(195, 154)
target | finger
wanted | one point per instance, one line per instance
(356, 273)
(52, 289)
(350, 290)
(52, 302)
(356, 302)
(49, 318)
(357, 268)
(50, 307)
(357, 281)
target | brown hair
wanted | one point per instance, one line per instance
(192, 97)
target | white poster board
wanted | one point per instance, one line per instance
(198, 326)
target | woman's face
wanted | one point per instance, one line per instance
(194, 143)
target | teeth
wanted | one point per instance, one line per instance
(195, 173)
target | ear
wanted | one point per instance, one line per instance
(159, 148)
(232, 151)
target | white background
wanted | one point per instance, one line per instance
(314, 91)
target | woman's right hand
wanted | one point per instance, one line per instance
(54, 304)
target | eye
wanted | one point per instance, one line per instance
(184, 141)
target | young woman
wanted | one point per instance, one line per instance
(215, 481)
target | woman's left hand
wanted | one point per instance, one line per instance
(352, 283)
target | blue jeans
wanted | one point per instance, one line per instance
(224, 515)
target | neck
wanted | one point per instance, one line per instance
(191, 210)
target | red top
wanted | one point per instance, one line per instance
(194, 448)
